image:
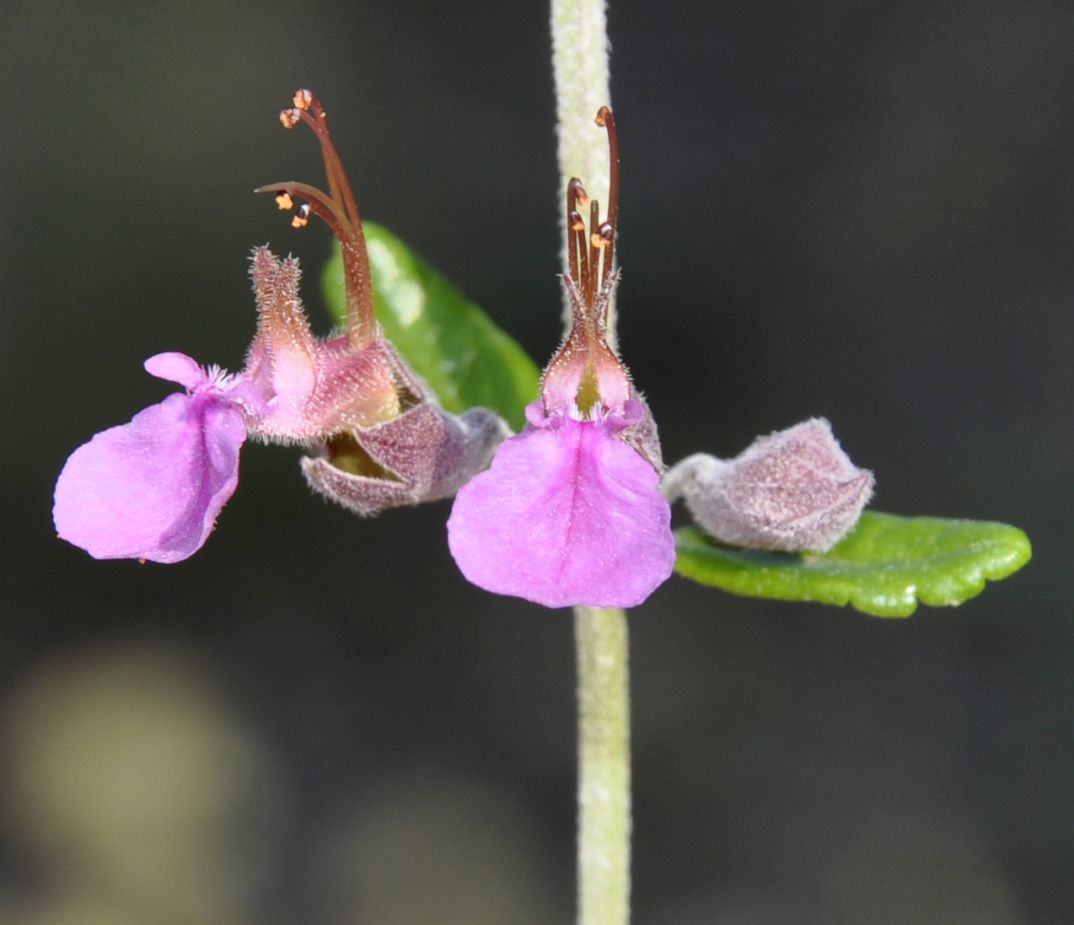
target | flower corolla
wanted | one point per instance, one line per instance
(570, 511)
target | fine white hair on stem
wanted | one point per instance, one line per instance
(604, 805)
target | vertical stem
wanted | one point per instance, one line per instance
(603, 766)
(580, 66)
(580, 63)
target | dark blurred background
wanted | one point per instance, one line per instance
(858, 209)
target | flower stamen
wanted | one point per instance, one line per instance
(591, 257)
(316, 201)
(586, 370)
(605, 121)
(337, 208)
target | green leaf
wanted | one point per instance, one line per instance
(451, 343)
(883, 567)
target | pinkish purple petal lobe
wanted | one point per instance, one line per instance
(152, 488)
(177, 367)
(567, 514)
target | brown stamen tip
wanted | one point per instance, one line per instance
(302, 217)
(602, 116)
(576, 193)
(289, 117)
(577, 224)
(284, 202)
(606, 232)
(303, 99)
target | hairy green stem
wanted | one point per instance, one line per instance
(602, 646)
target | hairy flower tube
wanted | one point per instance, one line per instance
(570, 511)
(152, 488)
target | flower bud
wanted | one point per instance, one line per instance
(794, 491)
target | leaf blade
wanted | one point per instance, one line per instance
(465, 358)
(885, 567)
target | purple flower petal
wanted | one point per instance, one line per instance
(566, 515)
(177, 367)
(152, 489)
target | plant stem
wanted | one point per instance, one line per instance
(601, 641)
(580, 63)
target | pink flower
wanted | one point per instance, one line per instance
(152, 488)
(570, 512)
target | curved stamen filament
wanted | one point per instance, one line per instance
(306, 100)
(321, 206)
(606, 121)
(339, 211)
(577, 251)
(591, 257)
(594, 253)
(338, 184)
